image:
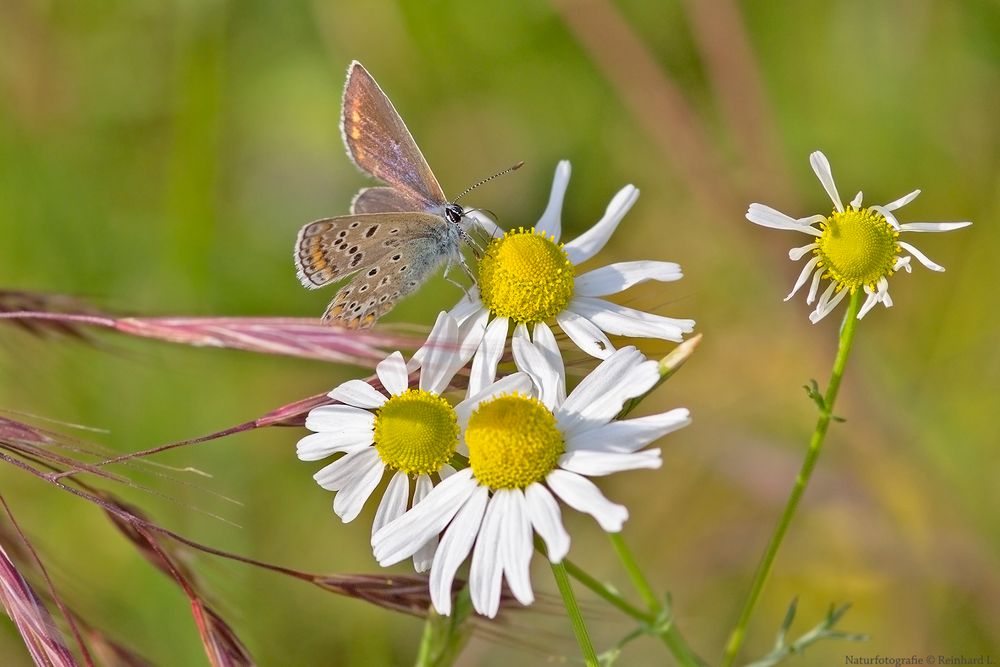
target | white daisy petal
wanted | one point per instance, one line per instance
(487, 565)
(582, 495)
(359, 394)
(587, 335)
(402, 538)
(825, 308)
(425, 555)
(391, 372)
(803, 276)
(532, 361)
(902, 201)
(393, 503)
(795, 254)
(442, 359)
(765, 216)
(484, 364)
(446, 471)
(551, 220)
(903, 263)
(516, 547)
(590, 242)
(870, 302)
(887, 214)
(616, 278)
(543, 510)
(349, 501)
(546, 343)
(932, 226)
(338, 474)
(601, 394)
(629, 435)
(856, 202)
(318, 446)
(622, 321)
(921, 257)
(468, 306)
(455, 547)
(597, 464)
(339, 418)
(814, 287)
(821, 167)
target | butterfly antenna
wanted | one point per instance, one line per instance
(487, 180)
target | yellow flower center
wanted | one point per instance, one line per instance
(416, 432)
(857, 247)
(513, 442)
(526, 276)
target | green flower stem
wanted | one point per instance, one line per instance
(607, 593)
(815, 446)
(669, 633)
(427, 641)
(575, 617)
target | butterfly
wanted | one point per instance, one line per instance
(397, 234)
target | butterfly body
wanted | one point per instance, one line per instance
(398, 234)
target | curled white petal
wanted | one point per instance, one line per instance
(902, 201)
(391, 372)
(795, 254)
(803, 276)
(351, 498)
(921, 257)
(484, 363)
(616, 278)
(821, 167)
(629, 435)
(622, 321)
(591, 241)
(587, 335)
(765, 216)
(582, 495)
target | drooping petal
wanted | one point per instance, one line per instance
(535, 363)
(545, 341)
(597, 464)
(455, 547)
(623, 321)
(628, 435)
(349, 501)
(425, 555)
(547, 520)
(803, 276)
(795, 254)
(921, 257)
(551, 220)
(591, 241)
(618, 277)
(582, 495)
(402, 538)
(393, 503)
(821, 167)
(516, 547)
(359, 394)
(484, 364)
(487, 564)
(814, 286)
(587, 335)
(824, 308)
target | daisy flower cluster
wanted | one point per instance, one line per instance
(477, 479)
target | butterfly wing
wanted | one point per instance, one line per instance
(383, 199)
(379, 143)
(374, 291)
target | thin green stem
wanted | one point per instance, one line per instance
(607, 593)
(575, 617)
(812, 455)
(668, 632)
(426, 642)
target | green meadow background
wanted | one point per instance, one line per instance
(158, 158)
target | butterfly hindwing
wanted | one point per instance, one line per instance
(379, 143)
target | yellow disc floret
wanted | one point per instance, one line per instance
(513, 442)
(416, 432)
(858, 246)
(526, 276)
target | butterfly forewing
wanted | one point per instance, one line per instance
(380, 144)
(382, 199)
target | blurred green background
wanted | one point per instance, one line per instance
(159, 157)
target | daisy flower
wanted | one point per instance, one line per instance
(527, 276)
(525, 451)
(410, 432)
(855, 247)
